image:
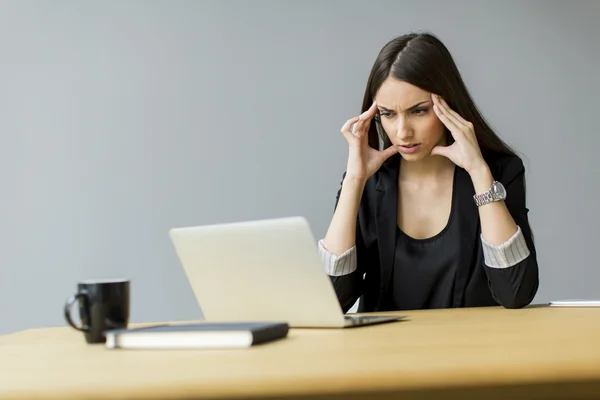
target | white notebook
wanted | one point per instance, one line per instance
(197, 336)
(575, 303)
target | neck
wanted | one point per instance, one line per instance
(431, 168)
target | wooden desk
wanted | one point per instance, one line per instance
(487, 353)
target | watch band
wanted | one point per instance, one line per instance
(485, 198)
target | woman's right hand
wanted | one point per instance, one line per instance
(363, 160)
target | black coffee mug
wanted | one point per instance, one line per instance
(103, 305)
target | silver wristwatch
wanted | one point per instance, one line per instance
(495, 193)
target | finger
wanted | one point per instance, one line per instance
(447, 121)
(346, 127)
(365, 119)
(370, 112)
(453, 115)
(441, 151)
(390, 151)
(443, 107)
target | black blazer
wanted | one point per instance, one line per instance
(475, 283)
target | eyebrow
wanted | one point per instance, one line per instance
(409, 108)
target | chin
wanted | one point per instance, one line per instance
(413, 157)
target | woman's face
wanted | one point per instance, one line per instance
(408, 119)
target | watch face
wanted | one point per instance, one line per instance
(499, 190)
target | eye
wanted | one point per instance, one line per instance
(420, 111)
(385, 114)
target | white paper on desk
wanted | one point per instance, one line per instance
(575, 303)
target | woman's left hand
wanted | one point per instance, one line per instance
(465, 151)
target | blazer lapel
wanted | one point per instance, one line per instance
(468, 220)
(387, 217)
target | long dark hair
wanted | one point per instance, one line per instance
(421, 59)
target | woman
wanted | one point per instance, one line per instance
(431, 211)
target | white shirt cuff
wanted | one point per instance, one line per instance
(335, 265)
(507, 254)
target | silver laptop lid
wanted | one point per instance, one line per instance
(263, 270)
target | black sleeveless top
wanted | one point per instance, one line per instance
(424, 269)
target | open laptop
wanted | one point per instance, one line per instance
(265, 270)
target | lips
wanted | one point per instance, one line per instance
(409, 148)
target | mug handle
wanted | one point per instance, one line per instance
(69, 304)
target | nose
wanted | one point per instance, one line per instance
(403, 129)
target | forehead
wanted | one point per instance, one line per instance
(399, 95)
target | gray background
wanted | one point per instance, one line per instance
(122, 119)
